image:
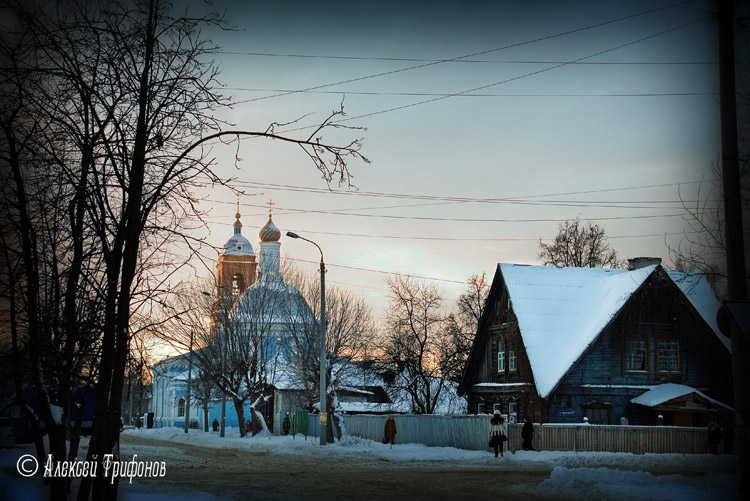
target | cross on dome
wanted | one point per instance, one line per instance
(237, 223)
(270, 233)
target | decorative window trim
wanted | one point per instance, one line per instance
(659, 355)
(598, 405)
(501, 355)
(626, 355)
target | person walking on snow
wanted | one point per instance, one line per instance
(498, 433)
(389, 433)
(527, 434)
(287, 424)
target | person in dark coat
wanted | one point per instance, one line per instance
(287, 424)
(498, 433)
(389, 432)
(527, 434)
(714, 436)
(215, 425)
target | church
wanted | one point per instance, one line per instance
(266, 309)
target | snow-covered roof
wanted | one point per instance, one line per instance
(697, 289)
(561, 311)
(663, 393)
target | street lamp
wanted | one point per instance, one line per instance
(190, 377)
(223, 366)
(323, 409)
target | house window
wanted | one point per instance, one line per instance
(480, 408)
(511, 360)
(181, 407)
(497, 407)
(512, 412)
(501, 356)
(669, 355)
(598, 412)
(636, 355)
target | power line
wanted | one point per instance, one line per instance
(463, 61)
(519, 44)
(444, 94)
(512, 79)
(450, 239)
(413, 196)
(356, 268)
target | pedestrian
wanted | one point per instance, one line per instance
(714, 436)
(527, 434)
(139, 423)
(287, 424)
(249, 424)
(727, 432)
(389, 433)
(498, 433)
(215, 425)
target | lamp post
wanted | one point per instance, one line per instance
(323, 409)
(190, 377)
(223, 366)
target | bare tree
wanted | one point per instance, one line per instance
(462, 325)
(116, 97)
(416, 341)
(350, 331)
(580, 246)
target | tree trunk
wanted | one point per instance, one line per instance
(240, 409)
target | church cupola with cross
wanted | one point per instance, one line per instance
(269, 249)
(237, 269)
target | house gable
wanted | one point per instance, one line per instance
(658, 337)
(588, 341)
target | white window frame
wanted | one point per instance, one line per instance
(500, 355)
(181, 407)
(512, 412)
(668, 350)
(497, 407)
(631, 354)
(512, 360)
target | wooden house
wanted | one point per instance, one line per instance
(637, 346)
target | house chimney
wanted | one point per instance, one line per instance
(641, 262)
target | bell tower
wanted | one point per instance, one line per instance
(237, 269)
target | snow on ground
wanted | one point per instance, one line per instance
(584, 475)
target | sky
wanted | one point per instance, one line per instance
(487, 125)
(585, 475)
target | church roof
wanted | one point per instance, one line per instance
(238, 245)
(274, 302)
(269, 233)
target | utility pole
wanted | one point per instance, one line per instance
(736, 285)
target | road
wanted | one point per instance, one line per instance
(245, 475)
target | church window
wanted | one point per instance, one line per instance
(238, 284)
(181, 408)
(511, 360)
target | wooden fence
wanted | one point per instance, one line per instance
(472, 432)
